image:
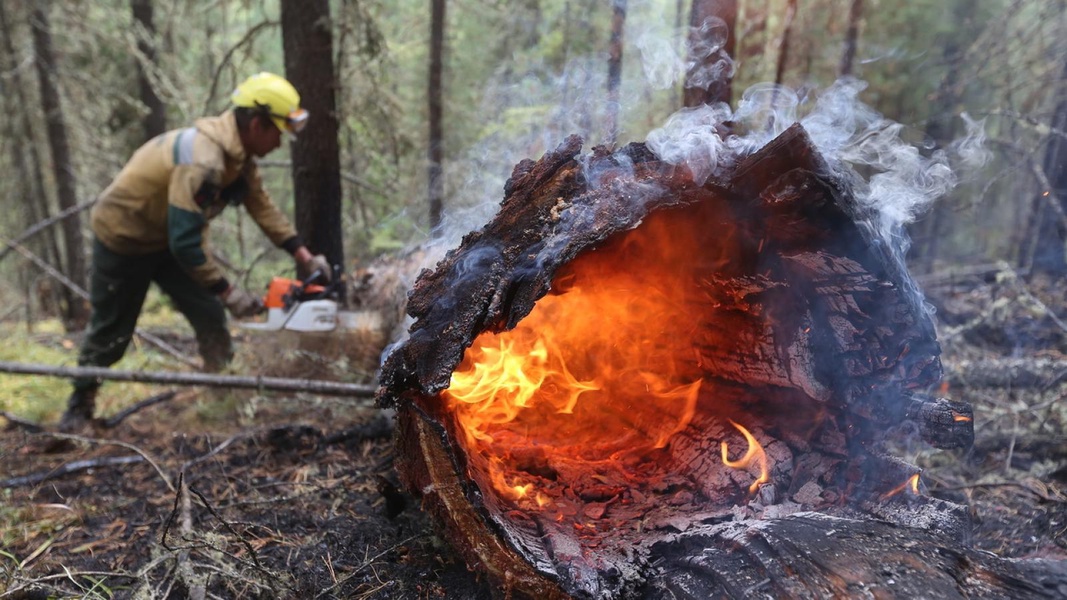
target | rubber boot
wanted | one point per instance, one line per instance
(80, 408)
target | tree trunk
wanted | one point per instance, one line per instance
(24, 156)
(75, 313)
(783, 50)
(939, 131)
(618, 25)
(855, 13)
(1050, 239)
(155, 122)
(711, 48)
(308, 43)
(434, 93)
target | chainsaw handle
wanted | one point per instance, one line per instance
(333, 281)
(314, 277)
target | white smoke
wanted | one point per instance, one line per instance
(894, 180)
(529, 116)
(691, 138)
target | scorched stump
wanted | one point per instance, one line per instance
(631, 385)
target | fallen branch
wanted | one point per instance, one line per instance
(999, 484)
(277, 384)
(15, 421)
(121, 415)
(1043, 373)
(29, 590)
(192, 463)
(40, 226)
(71, 467)
(89, 440)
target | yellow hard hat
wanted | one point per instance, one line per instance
(277, 96)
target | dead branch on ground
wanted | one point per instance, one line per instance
(278, 384)
(123, 414)
(102, 442)
(68, 468)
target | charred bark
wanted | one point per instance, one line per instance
(814, 555)
(801, 324)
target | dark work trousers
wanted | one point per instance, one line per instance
(117, 291)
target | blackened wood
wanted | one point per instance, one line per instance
(943, 423)
(822, 333)
(489, 283)
(812, 555)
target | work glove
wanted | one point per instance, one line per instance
(241, 304)
(318, 264)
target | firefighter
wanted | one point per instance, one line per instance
(151, 225)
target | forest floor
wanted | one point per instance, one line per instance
(295, 496)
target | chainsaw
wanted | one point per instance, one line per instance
(308, 305)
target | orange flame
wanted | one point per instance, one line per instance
(604, 362)
(754, 453)
(912, 484)
(957, 417)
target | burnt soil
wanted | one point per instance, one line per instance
(296, 497)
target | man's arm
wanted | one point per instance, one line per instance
(277, 227)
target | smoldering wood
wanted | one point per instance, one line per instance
(831, 347)
(943, 422)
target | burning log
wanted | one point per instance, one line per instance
(626, 376)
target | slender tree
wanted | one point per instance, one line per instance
(434, 94)
(307, 40)
(787, 32)
(852, 34)
(618, 25)
(1050, 242)
(75, 312)
(20, 135)
(707, 57)
(939, 131)
(155, 121)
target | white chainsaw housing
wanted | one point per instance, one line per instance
(307, 316)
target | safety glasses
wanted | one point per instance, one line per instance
(293, 122)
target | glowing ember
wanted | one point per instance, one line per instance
(957, 417)
(754, 453)
(603, 366)
(912, 484)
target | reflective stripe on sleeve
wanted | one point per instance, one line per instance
(183, 146)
